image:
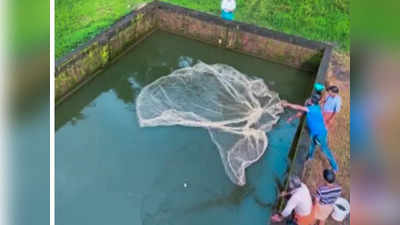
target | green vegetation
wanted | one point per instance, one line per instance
(77, 21)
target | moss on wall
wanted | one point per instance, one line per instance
(105, 55)
(98, 53)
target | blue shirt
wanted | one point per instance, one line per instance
(333, 104)
(315, 121)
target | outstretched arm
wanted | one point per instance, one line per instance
(294, 106)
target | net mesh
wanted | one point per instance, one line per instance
(237, 110)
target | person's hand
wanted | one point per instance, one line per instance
(328, 122)
(284, 103)
(283, 194)
(276, 218)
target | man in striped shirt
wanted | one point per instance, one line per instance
(326, 196)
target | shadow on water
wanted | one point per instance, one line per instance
(169, 208)
(234, 198)
(126, 88)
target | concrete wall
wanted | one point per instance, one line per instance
(302, 143)
(82, 64)
(248, 39)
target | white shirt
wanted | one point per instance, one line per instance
(228, 5)
(300, 201)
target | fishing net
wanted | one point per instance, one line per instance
(237, 110)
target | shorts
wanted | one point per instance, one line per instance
(227, 15)
(322, 212)
(306, 220)
(326, 116)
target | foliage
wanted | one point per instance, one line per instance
(77, 21)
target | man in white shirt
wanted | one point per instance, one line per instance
(228, 6)
(300, 201)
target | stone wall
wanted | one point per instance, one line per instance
(82, 64)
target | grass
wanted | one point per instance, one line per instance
(78, 21)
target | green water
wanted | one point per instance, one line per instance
(111, 171)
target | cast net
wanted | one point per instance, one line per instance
(237, 110)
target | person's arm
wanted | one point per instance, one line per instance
(325, 97)
(283, 194)
(291, 204)
(294, 106)
(317, 196)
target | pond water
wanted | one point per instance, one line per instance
(111, 171)
(28, 159)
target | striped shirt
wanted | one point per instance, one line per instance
(327, 195)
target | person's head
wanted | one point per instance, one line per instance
(319, 88)
(333, 90)
(294, 182)
(315, 99)
(329, 176)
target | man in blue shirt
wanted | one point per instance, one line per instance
(316, 127)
